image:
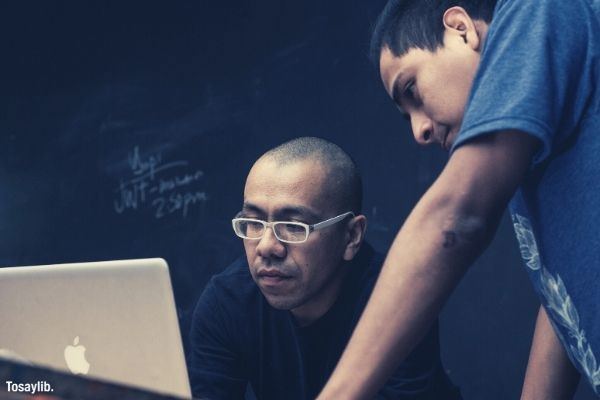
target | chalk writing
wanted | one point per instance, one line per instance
(165, 187)
(140, 166)
(177, 201)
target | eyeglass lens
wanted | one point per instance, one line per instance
(287, 231)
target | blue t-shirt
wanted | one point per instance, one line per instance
(539, 73)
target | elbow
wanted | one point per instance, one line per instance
(465, 229)
(459, 224)
(463, 225)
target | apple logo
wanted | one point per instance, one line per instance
(75, 358)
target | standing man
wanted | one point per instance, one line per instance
(280, 319)
(511, 90)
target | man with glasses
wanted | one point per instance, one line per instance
(279, 320)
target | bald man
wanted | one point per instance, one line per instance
(279, 319)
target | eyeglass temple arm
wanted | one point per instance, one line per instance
(330, 221)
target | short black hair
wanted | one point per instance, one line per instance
(407, 24)
(343, 174)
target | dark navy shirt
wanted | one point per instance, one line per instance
(237, 339)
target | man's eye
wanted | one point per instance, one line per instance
(293, 227)
(410, 91)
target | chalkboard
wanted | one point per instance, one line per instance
(128, 129)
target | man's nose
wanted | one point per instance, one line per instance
(269, 246)
(422, 127)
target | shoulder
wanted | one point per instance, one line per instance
(233, 283)
(527, 24)
(368, 262)
(364, 271)
(228, 294)
(221, 334)
(546, 8)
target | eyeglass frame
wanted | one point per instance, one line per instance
(308, 227)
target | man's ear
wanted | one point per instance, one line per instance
(458, 23)
(355, 232)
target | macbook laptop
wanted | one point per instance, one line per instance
(113, 320)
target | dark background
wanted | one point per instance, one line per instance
(127, 130)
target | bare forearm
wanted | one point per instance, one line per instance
(433, 255)
(550, 374)
(446, 231)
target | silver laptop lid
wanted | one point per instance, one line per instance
(112, 320)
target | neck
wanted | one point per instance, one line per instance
(482, 29)
(319, 304)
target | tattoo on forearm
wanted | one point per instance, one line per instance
(449, 239)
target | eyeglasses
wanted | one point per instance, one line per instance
(285, 231)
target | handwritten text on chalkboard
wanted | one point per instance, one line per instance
(165, 187)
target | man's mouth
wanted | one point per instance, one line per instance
(272, 273)
(272, 277)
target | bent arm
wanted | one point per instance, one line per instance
(450, 226)
(550, 374)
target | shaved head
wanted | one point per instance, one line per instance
(344, 184)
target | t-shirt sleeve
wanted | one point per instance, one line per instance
(535, 72)
(216, 367)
